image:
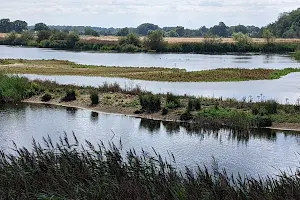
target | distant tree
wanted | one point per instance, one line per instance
(145, 28)
(11, 38)
(240, 29)
(90, 31)
(41, 27)
(173, 33)
(43, 35)
(123, 32)
(242, 40)
(220, 30)
(203, 30)
(130, 39)
(5, 26)
(19, 26)
(155, 40)
(27, 36)
(59, 35)
(268, 36)
(180, 31)
(72, 39)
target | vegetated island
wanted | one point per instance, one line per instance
(198, 111)
(56, 67)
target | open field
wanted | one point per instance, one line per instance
(185, 40)
(56, 67)
(2, 36)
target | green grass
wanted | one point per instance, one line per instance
(67, 171)
(13, 89)
(296, 55)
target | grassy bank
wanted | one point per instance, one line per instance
(55, 67)
(66, 171)
(111, 98)
(14, 89)
(296, 55)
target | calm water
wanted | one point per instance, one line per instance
(286, 89)
(262, 153)
(191, 62)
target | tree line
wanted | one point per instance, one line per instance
(287, 26)
(7, 26)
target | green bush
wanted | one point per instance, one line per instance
(296, 55)
(150, 102)
(265, 108)
(94, 97)
(194, 104)
(172, 100)
(46, 97)
(70, 95)
(14, 88)
(262, 121)
(129, 48)
(165, 111)
(186, 116)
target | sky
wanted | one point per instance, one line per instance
(131, 13)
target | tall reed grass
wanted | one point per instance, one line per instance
(69, 170)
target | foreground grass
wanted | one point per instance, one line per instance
(68, 170)
(55, 67)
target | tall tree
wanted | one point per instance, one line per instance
(145, 28)
(155, 40)
(19, 26)
(5, 26)
(123, 32)
(41, 27)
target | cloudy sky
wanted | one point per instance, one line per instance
(121, 13)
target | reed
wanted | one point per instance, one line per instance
(71, 170)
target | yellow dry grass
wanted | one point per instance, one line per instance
(2, 35)
(187, 40)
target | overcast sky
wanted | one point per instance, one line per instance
(131, 13)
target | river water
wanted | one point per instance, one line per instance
(190, 62)
(284, 90)
(264, 152)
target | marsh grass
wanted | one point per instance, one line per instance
(56, 67)
(296, 55)
(71, 170)
(13, 88)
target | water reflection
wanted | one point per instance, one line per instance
(254, 152)
(154, 126)
(150, 125)
(71, 111)
(94, 116)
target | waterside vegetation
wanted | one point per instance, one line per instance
(200, 111)
(56, 67)
(71, 170)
